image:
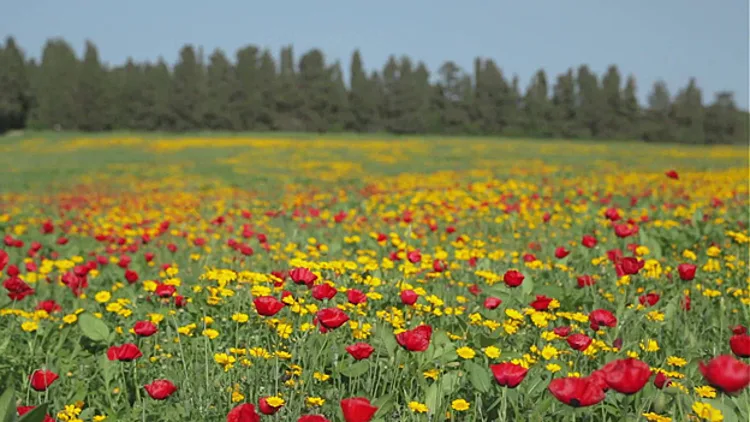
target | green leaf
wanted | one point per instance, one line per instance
(93, 328)
(527, 287)
(431, 398)
(725, 407)
(7, 407)
(353, 371)
(388, 340)
(478, 376)
(36, 415)
(384, 405)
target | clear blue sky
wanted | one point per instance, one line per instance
(653, 39)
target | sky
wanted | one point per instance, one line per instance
(671, 40)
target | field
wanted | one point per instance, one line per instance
(435, 279)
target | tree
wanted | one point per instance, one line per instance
(452, 101)
(363, 100)
(591, 104)
(221, 90)
(15, 95)
(93, 111)
(188, 94)
(687, 112)
(245, 101)
(565, 106)
(612, 124)
(658, 124)
(53, 86)
(631, 110)
(537, 108)
(721, 122)
(289, 99)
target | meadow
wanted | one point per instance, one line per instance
(211, 278)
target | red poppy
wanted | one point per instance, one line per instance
(685, 304)
(243, 413)
(49, 306)
(726, 373)
(492, 302)
(416, 340)
(602, 317)
(180, 301)
(438, 266)
(588, 241)
(585, 280)
(267, 305)
(330, 318)
(577, 392)
(409, 297)
(22, 410)
(323, 291)
(303, 276)
(561, 252)
(475, 290)
(508, 374)
(312, 418)
(145, 328)
(686, 271)
(513, 278)
(4, 259)
(358, 409)
(265, 408)
(627, 376)
(541, 303)
(165, 290)
(41, 379)
(125, 353)
(414, 256)
(160, 389)
(651, 299)
(579, 342)
(360, 351)
(355, 297)
(630, 265)
(17, 289)
(739, 329)
(661, 380)
(672, 174)
(612, 214)
(561, 331)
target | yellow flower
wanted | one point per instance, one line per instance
(29, 326)
(466, 352)
(492, 352)
(549, 352)
(553, 367)
(706, 391)
(275, 401)
(225, 360)
(655, 417)
(70, 319)
(237, 397)
(460, 405)
(650, 346)
(315, 401)
(240, 317)
(676, 361)
(210, 333)
(418, 407)
(321, 376)
(103, 296)
(431, 373)
(707, 412)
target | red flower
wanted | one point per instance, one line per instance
(312, 418)
(330, 318)
(145, 328)
(627, 376)
(585, 280)
(266, 408)
(49, 306)
(409, 297)
(41, 379)
(414, 257)
(492, 302)
(672, 174)
(358, 409)
(17, 288)
(131, 276)
(651, 298)
(562, 331)
(513, 278)
(611, 214)
(165, 290)
(243, 413)
(416, 340)
(541, 303)
(475, 290)
(438, 266)
(323, 291)
(125, 353)
(4, 258)
(508, 374)
(267, 305)
(686, 271)
(561, 252)
(577, 392)
(180, 301)
(22, 410)
(588, 241)
(726, 373)
(355, 297)
(630, 265)
(600, 317)
(303, 276)
(160, 389)
(661, 381)
(739, 329)
(360, 351)
(686, 303)
(579, 342)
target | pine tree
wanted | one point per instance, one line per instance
(53, 86)
(658, 123)
(289, 100)
(565, 107)
(537, 107)
(92, 98)
(687, 112)
(221, 87)
(188, 93)
(612, 124)
(631, 110)
(246, 101)
(15, 95)
(362, 97)
(721, 123)
(591, 104)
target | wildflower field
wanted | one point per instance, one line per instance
(247, 279)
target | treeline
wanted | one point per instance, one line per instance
(255, 92)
